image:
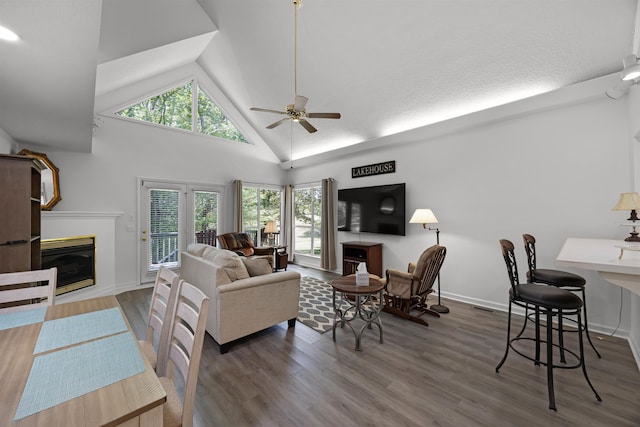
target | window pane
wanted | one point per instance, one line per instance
(206, 210)
(317, 220)
(172, 108)
(303, 220)
(212, 122)
(250, 212)
(269, 211)
(163, 227)
(259, 206)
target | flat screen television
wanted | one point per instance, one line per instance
(379, 209)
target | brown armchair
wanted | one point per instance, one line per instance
(242, 244)
(407, 291)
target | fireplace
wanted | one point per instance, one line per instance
(75, 258)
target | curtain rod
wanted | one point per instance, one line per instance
(299, 183)
(261, 183)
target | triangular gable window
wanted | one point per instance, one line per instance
(174, 108)
(212, 122)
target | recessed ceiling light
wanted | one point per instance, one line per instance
(7, 34)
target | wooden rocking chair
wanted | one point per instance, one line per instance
(407, 292)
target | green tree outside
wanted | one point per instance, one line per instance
(206, 211)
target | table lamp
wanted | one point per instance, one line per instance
(270, 229)
(630, 202)
(424, 217)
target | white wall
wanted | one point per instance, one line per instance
(554, 174)
(6, 143)
(106, 179)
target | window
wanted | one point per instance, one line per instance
(212, 122)
(173, 215)
(308, 219)
(164, 224)
(259, 206)
(174, 108)
(206, 211)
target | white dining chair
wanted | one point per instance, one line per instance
(161, 310)
(27, 289)
(185, 349)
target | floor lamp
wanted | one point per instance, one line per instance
(424, 217)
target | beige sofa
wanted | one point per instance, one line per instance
(245, 295)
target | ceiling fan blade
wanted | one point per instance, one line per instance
(308, 126)
(265, 110)
(619, 90)
(278, 123)
(323, 115)
(301, 101)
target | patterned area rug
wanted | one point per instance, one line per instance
(316, 309)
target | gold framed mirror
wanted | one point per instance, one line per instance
(49, 184)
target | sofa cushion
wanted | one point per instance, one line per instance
(210, 253)
(231, 264)
(257, 266)
(197, 249)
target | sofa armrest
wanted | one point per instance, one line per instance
(259, 250)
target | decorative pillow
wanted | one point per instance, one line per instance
(257, 266)
(231, 264)
(210, 253)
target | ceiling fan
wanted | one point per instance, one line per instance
(296, 112)
(629, 76)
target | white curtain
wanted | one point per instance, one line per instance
(288, 226)
(237, 205)
(328, 228)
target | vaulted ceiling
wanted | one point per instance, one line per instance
(386, 66)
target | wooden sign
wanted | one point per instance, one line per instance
(375, 169)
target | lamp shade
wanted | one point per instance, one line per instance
(627, 202)
(423, 216)
(631, 69)
(270, 227)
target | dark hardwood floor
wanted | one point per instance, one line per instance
(441, 375)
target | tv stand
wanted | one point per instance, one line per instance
(353, 253)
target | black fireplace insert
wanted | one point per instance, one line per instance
(75, 259)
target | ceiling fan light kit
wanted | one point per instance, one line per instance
(296, 112)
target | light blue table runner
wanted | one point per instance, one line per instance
(72, 372)
(76, 329)
(21, 318)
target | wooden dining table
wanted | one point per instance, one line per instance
(77, 344)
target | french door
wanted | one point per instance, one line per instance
(171, 213)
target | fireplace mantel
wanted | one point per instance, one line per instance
(61, 224)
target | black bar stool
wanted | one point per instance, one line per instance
(549, 301)
(559, 279)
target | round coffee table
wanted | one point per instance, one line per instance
(355, 302)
